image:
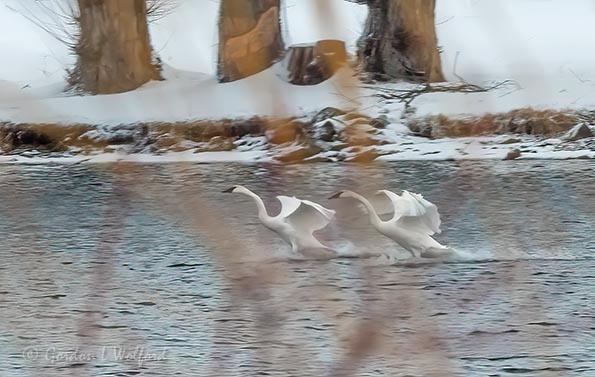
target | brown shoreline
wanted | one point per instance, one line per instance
(328, 130)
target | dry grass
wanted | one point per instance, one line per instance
(521, 121)
(178, 136)
(290, 140)
(57, 137)
(50, 137)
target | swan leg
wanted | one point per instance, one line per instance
(415, 253)
(312, 249)
(295, 248)
(319, 253)
(387, 259)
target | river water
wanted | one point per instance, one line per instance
(132, 269)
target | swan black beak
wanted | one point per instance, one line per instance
(335, 195)
(228, 190)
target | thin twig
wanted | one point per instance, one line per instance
(454, 68)
(407, 96)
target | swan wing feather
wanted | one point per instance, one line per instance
(288, 205)
(382, 203)
(303, 215)
(414, 212)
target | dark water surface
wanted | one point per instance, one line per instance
(122, 270)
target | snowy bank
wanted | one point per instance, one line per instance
(328, 135)
(191, 117)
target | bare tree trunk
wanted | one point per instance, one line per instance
(250, 38)
(114, 51)
(399, 41)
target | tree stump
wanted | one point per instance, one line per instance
(250, 39)
(313, 64)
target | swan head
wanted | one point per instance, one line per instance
(230, 190)
(237, 189)
(342, 194)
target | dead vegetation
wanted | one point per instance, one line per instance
(290, 139)
(51, 137)
(527, 121)
(48, 137)
(521, 121)
(338, 134)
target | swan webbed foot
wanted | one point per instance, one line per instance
(386, 259)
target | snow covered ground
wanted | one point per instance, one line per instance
(544, 46)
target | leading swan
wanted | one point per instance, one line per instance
(412, 220)
(296, 222)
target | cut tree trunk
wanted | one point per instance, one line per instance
(113, 52)
(250, 38)
(399, 41)
(312, 64)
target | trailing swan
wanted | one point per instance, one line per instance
(412, 220)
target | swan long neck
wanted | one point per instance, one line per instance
(262, 211)
(371, 211)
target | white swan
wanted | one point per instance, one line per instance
(412, 221)
(296, 222)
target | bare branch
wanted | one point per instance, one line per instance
(407, 96)
(454, 68)
(57, 19)
(60, 18)
(158, 9)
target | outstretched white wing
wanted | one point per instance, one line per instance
(413, 211)
(382, 203)
(303, 215)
